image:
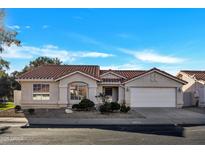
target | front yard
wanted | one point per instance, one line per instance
(8, 105)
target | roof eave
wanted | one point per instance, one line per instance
(156, 70)
(110, 71)
(192, 77)
(60, 78)
(33, 79)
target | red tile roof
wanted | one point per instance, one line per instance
(128, 74)
(168, 75)
(199, 75)
(58, 71)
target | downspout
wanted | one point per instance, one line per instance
(196, 93)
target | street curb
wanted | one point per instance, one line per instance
(143, 127)
(58, 121)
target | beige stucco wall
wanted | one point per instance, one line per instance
(27, 95)
(17, 97)
(114, 94)
(121, 94)
(110, 75)
(59, 93)
(64, 92)
(189, 90)
(158, 81)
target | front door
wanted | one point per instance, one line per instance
(108, 93)
(111, 93)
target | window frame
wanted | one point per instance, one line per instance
(108, 89)
(84, 85)
(41, 93)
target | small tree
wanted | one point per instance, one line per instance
(104, 98)
(7, 38)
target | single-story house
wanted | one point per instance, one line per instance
(194, 90)
(54, 86)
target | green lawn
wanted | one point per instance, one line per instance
(7, 106)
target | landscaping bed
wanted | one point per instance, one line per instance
(10, 113)
(6, 106)
(86, 109)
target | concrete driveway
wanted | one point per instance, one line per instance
(171, 116)
(149, 116)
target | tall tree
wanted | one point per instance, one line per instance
(7, 85)
(7, 38)
(40, 61)
(4, 87)
(43, 61)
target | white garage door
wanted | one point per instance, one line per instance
(153, 97)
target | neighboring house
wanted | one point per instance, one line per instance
(53, 86)
(194, 91)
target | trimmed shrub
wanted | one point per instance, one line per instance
(105, 108)
(75, 106)
(124, 108)
(17, 108)
(84, 105)
(31, 111)
(115, 106)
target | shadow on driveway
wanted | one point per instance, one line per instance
(167, 130)
(4, 129)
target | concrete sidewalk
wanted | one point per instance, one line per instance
(12, 121)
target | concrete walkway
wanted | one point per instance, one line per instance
(12, 121)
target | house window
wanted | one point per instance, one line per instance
(78, 91)
(108, 91)
(41, 92)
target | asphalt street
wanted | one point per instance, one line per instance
(103, 135)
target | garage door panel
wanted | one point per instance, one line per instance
(153, 97)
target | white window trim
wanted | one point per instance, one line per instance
(78, 89)
(40, 93)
